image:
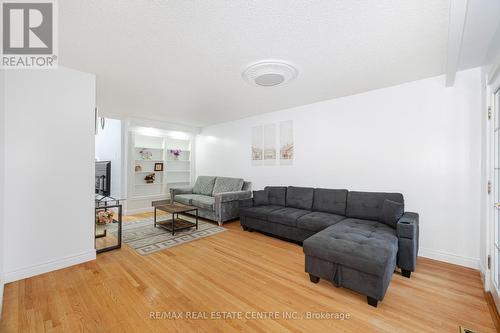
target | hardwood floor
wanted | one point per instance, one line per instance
(235, 271)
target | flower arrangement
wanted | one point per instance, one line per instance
(146, 154)
(104, 216)
(176, 152)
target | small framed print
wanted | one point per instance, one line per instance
(158, 166)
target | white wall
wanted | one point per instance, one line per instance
(49, 183)
(419, 138)
(2, 186)
(108, 147)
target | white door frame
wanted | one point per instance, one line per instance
(492, 86)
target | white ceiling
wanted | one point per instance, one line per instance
(181, 60)
(482, 21)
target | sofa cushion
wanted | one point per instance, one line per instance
(286, 216)
(204, 185)
(203, 201)
(299, 197)
(185, 199)
(259, 212)
(330, 201)
(392, 212)
(317, 221)
(367, 246)
(277, 195)
(368, 205)
(226, 184)
(260, 198)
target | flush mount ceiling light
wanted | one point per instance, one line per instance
(269, 73)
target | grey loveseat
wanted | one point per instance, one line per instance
(353, 239)
(216, 197)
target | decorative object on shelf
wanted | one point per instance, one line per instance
(150, 178)
(158, 166)
(146, 154)
(176, 153)
(138, 168)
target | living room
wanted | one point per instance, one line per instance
(250, 165)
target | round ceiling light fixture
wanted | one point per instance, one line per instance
(270, 73)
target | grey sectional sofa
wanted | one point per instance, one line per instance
(216, 197)
(353, 239)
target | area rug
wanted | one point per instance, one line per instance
(145, 239)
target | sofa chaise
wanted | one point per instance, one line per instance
(353, 239)
(217, 198)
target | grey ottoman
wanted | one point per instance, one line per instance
(356, 254)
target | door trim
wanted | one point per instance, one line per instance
(489, 279)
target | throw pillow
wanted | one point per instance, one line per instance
(392, 212)
(277, 195)
(204, 185)
(260, 198)
(226, 184)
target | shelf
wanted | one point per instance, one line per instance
(147, 171)
(149, 184)
(179, 171)
(148, 148)
(168, 160)
(156, 161)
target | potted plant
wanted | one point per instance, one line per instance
(176, 153)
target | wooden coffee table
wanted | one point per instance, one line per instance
(176, 223)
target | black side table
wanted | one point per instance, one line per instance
(105, 203)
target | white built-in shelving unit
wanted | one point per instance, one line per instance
(179, 168)
(177, 171)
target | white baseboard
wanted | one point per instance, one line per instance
(449, 258)
(49, 266)
(482, 273)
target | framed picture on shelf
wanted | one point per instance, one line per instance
(158, 166)
(138, 168)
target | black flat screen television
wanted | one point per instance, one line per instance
(103, 177)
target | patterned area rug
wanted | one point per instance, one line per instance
(145, 239)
